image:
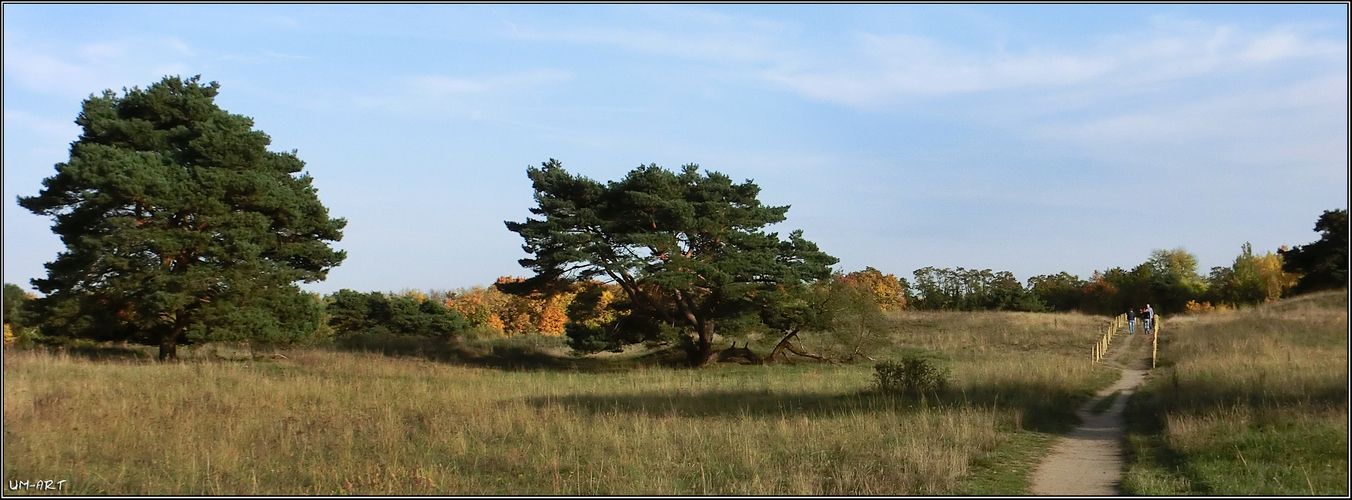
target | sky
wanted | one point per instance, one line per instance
(1026, 138)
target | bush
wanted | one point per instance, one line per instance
(353, 313)
(1195, 307)
(912, 376)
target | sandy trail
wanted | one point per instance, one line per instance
(1088, 461)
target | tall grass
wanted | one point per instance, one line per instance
(1247, 403)
(323, 422)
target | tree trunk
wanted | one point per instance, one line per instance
(169, 339)
(779, 347)
(169, 347)
(703, 349)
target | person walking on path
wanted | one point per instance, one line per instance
(1149, 317)
(1131, 321)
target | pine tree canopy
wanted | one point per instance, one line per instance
(180, 225)
(688, 248)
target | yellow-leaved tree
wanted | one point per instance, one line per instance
(886, 289)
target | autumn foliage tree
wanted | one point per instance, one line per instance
(885, 289)
(688, 249)
(508, 309)
(1250, 279)
(180, 225)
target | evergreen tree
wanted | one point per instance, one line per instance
(1322, 264)
(688, 249)
(180, 226)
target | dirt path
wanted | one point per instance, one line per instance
(1088, 461)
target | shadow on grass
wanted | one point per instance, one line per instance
(215, 352)
(100, 352)
(1042, 409)
(505, 354)
(1200, 396)
(1145, 425)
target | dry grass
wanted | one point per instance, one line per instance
(1245, 403)
(323, 422)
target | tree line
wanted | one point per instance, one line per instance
(181, 227)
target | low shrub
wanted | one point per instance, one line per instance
(912, 376)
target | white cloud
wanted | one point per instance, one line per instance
(684, 32)
(1287, 45)
(880, 70)
(41, 72)
(1297, 128)
(40, 140)
(895, 67)
(49, 129)
(724, 46)
(77, 71)
(424, 93)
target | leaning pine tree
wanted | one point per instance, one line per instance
(180, 226)
(689, 250)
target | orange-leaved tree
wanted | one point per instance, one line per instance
(885, 289)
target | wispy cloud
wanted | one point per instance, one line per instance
(48, 128)
(730, 46)
(441, 85)
(262, 57)
(77, 71)
(421, 93)
(43, 137)
(1298, 125)
(1287, 44)
(683, 32)
(885, 69)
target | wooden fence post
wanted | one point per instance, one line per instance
(1155, 342)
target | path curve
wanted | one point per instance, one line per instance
(1088, 461)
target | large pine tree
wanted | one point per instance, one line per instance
(180, 225)
(688, 249)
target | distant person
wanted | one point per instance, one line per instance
(1149, 318)
(1131, 321)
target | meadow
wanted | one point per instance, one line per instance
(1246, 403)
(327, 421)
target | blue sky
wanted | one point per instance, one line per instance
(1028, 138)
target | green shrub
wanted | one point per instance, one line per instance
(912, 376)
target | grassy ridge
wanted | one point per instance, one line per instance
(1246, 403)
(324, 422)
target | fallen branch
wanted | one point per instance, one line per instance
(786, 344)
(742, 355)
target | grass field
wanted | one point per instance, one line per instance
(332, 422)
(1246, 403)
